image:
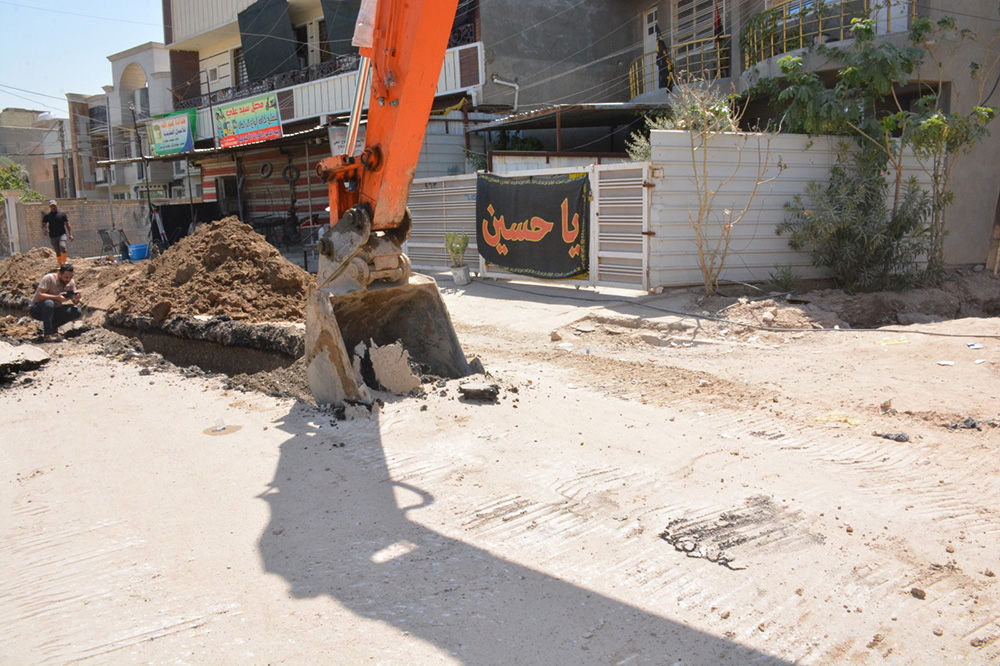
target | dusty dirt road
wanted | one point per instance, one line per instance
(649, 489)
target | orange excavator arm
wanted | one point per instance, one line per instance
(365, 291)
(408, 43)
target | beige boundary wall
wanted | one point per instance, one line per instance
(24, 229)
(755, 249)
(669, 253)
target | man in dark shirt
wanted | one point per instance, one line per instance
(60, 231)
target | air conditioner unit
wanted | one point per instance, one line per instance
(180, 168)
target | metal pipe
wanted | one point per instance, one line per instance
(364, 71)
(517, 89)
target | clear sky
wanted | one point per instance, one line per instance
(52, 47)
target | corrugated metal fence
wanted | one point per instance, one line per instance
(618, 218)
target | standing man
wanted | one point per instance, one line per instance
(55, 301)
(60, 231)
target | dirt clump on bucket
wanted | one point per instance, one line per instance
(224, 269)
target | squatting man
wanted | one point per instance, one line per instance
(55, 302)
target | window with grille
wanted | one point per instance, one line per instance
(239, 68)
(694, 20)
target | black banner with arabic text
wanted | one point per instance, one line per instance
(534, 225)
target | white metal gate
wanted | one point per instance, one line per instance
(619, 218)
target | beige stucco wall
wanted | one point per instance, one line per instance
(86, 217)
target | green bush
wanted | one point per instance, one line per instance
(849, 228)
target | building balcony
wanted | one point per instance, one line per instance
(318, 91)
(323, 70)
(699, 59)
(796, 24)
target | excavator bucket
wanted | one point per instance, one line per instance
(412, 314)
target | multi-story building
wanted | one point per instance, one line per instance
(112, 126)
(38, 142)
(503, 56)
(740, 41)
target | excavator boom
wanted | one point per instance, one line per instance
(366, 293)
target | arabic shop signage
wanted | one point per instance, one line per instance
(247, 121)
(172, 133)
(534, 225)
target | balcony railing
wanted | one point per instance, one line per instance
(339, 65)
(797, 24)
(706, 58)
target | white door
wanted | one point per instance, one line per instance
(649, 50)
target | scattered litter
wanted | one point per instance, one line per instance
(479, 391)
(946, 363)
(566, 346)
(968, 423)
(980, 360)
(974, 345)
(892, 341)
(887, 408)
(836, 417)
(894, 436)
(219, 424)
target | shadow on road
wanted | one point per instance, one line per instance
(341, 526)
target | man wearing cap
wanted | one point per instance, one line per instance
(55, 301)
(60, 231)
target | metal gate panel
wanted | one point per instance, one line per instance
(619, 242)
(439, 206)
(619, 221)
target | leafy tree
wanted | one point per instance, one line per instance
(864, 103)
(13, 176)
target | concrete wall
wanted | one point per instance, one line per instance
(508, 163)
(193, 17)
(755, 248)
(558, 51)
(86, 217)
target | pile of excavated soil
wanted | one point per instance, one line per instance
(224, 269)
(19, 328)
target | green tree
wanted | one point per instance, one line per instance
(864, 103)
(13, 176)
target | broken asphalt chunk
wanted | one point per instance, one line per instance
(480, 391)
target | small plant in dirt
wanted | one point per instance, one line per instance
(710, 115)
(456, 244)
(784, 278)
(846, 226)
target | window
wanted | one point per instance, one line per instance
(694, 20)
(239, 68)
(324, 43)
(302, 45)
(213, 74)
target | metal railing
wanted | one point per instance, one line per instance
(706, 58)
(796, 24)
(339, 65)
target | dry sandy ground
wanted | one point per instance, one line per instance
(721, 500)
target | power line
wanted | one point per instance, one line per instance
(57, 11)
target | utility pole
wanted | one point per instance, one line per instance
(145, 166)
(111, 165)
